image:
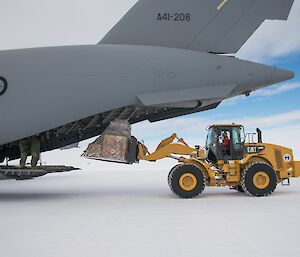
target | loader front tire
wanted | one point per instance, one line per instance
(186, 180)
(258, 179)
(239, 189)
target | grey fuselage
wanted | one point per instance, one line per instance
(61, 91)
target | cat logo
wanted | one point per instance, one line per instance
(255, 149)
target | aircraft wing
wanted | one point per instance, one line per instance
(215, 26)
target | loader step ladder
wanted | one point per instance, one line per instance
(286, 182)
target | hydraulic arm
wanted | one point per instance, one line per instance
(166, 148)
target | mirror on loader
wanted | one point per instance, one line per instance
(225, 142)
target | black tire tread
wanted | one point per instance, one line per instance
(174, 170)
(239, 189)
(243, 180)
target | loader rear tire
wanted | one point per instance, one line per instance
(258, 179)
(186, 181)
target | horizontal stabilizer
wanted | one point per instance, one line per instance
(216, 26)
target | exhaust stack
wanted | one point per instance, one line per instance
(259, 135)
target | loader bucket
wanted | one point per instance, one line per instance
(115, 144)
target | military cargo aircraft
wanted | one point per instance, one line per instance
(163, 59)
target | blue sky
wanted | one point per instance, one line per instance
(286, 101)
(275, 109)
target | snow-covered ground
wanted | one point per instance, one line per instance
(119, 210)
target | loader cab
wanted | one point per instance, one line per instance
(225, 142)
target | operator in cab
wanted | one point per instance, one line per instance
(226, 143)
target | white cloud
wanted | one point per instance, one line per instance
(33, 23)
(285, 135)
(272, 121)
(282, 129)
(265, 92)
(277, 90)
(274, 38)
(194, 125)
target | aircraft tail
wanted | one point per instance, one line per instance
(216, 26)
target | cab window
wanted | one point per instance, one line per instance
(238, 137)
(209, 138)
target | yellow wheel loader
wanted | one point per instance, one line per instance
(227, 160)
